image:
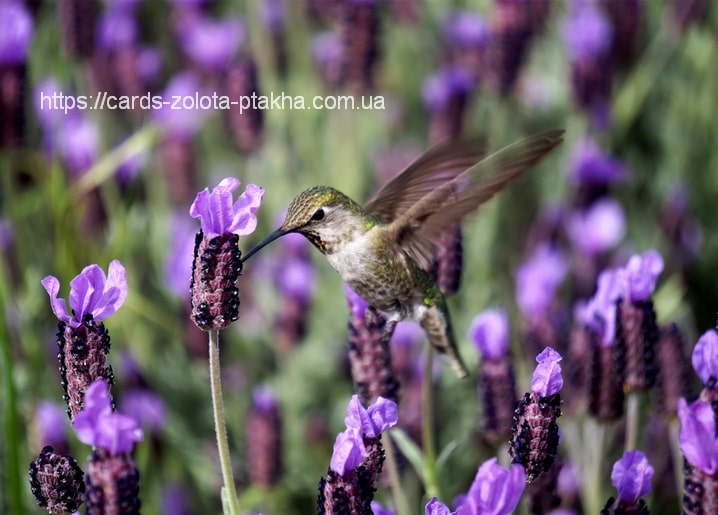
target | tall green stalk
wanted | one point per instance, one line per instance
(431, 481)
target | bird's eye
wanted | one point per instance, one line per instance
(318, 214)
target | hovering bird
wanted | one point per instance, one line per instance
(384, 249)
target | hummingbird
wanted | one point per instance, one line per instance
(384, 249)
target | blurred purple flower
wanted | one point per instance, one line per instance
(599, 313)
(705, 356)
(116, 29)
(357, 305)
(99, 426)
(6, 234)
(49, 119)
(211, 43)
(436, 507)
(148, 63)
(597, 228)
(51, 423)
(547, 379)
(438, 89)
(640, 275)
(178, 262)
(273, 14)
(122, 5)
(592, 167)
(78, 142)
(490, 333)
(297, 279)
(348, 453)
(326, 49)
(587, 33)
(91, 293)
(145, 407)
(185, 119)
(631, 475)
(407, 332)
(466, 29)
(219, 215)
(538, 279)
(494, 491)
(697, 437)
(16, 30)
(263, 399)
(174, 500)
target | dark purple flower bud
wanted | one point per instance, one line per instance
(241, 80)
(264, 439)
(146, 407)
(705, 357)
(327, 56)
(369, 352)
(605, 389)
(597, 228)
(631, 475)
(91, 294)
(448, 261)
(495, 490)
(56, 482)
(273, 14)
(209, 43)
(359, 36)
(441, 88)
(686, 13)
(627, 18)
(490, 333)
(216, 265)
(547, 379)
(673, 371)
(591, 167)
(16, 30)
(537, 281)
(113, 484)
(99, 426)
(78, 21)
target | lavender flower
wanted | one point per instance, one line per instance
(146, 407)
(78, 142)
(490, 332)
(357, 458)
(78, 22)
(599, 313)
(641, 274)
(216, 266)
(181, 123)
(445, 95)
(16, 32)
(209, 43)
(178, 261)
(326, 48)
(534, 440)
(241, 79)
(264, 439)
(51, 426)
(92, 294)
(116, 29)
(99, 426)
(56, 481)
(466, 29)
(494, 491)
(359, 32)
(674, 376)
(705, 358)
(598, 228)
(631, 475)
(591, 167)
(697, 439)
(538, 280)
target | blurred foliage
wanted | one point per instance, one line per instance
(664, 127)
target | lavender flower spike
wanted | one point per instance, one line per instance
(219, 215)
(99, 426)
(547, 379)
(705, 357)
(631, 475)
(91, 293)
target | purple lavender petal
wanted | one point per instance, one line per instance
(297, 279)
(705, 356)
(599, 313)
(78, 143)
(631, 475)
(357, 305)
(264, 400)
(116, 29)
(641, 275)
(598, 228)
(243, 221)
(217, 214)
(211, 44)
(52, 287)
(495, 490)
(51, 422)
(586, 33)
(349, 451)
(490, 333)
(547, 379)
(697, 435)
(538, 279)
(407, 333)
(185, 118)
(438, 88)
(357, 417)
(436, 507)
(98, 426)
(378, 509)
(383, 415)
(592, 167)
(145, 407)
(16, 29)
(466, 29)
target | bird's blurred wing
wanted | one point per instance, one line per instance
(417, 229)
(438, 165)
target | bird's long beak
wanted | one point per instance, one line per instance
(266, 241)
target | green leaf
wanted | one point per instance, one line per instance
(410, 450)
(445, 453)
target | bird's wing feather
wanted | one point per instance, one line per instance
(440, 164)
(417, 229)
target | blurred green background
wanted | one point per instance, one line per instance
(663, 127)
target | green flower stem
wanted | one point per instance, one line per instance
(677, 455)
(220, 426)
(632, 420)
(431, 482)
(397, 492)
